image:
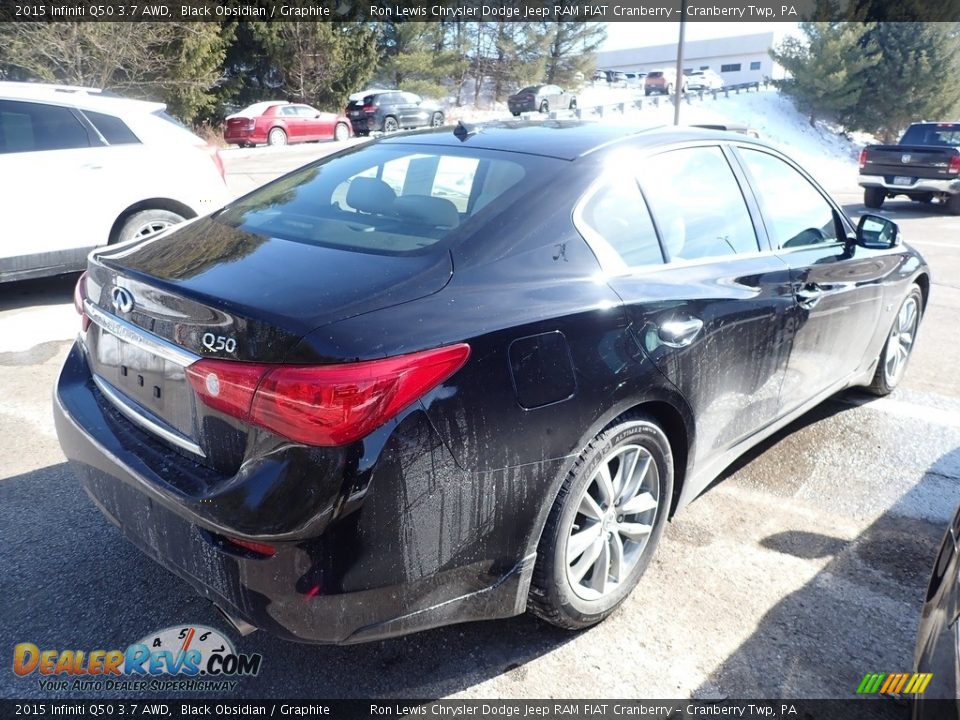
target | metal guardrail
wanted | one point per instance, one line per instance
(655, 100)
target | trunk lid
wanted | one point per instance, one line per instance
(209, 290)
(924, 161)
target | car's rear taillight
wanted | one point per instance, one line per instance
(863, 158)
(323, 405)
(251, 124)
(369, 109)
(954, 166)
(79, 295)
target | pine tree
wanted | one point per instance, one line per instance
(827, 68)
(571, 50)
(917, 78)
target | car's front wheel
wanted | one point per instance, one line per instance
(390, 125)
(544, 107)
(277, 136)
(145, 223)
(436, 119)
(873, 197)
(899, 345)
(953, 204)
(604, 525)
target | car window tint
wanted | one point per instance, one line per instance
(411, 98)
(617, 213)
(113, 129)
(288, 111)
(306, 111)
(388, 199)
(697, 203)
(31, 127)
(794, 211)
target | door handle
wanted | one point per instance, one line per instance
(808, 296)
(679, 333)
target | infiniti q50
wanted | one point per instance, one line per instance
(457, 375)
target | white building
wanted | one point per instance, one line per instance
(745, 58)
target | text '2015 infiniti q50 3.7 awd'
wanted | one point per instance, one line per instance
(455, 375)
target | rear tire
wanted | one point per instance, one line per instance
(544, 107)
(594, 548)
(899, 344)
(436, 120)
(145, 223)
(341, 132)
(953, 204)
(277, 137)
(873, 197)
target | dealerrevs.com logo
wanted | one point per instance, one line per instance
(177, 659)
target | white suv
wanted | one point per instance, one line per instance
(81, 168)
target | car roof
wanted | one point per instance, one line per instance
(75, 96)
(562, 139)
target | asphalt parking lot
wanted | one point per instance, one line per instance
(801, 570)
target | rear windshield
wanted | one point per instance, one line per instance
(655, 74)
(390, 198)
(932, 135)
(533, 90)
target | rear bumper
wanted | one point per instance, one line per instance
(342, 586)
(919, 185)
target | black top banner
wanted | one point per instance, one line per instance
(478, 10)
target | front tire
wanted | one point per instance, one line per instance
(873, 197)
(277, 137)
(390, 125)
(145, 223)
(604, 525)
(899, 345)
(544, 107)
(436, 119)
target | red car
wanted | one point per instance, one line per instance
(280, 123)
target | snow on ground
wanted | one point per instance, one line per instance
(825, 153)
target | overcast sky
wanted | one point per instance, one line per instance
(638, 34)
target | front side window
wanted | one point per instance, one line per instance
(697, 203)
(616, 212)
(390, 199)
(33, 127)
(794, 211)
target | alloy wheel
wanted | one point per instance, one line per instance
(900, 341)
(613, 523)
(151, 228)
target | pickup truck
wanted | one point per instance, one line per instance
(924, 165)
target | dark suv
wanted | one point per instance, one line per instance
(392, 110)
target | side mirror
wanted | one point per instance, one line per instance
(877, 233)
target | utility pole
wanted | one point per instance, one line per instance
(678, 85)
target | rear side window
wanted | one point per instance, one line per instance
(389, 199)
(33, 127)
(794, 211)
(616, 213)
(113, 129)
(698, 205)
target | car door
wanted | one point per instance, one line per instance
(53, 172)
(290, 114)
(311, 124)
(712, 312)
(837, 285)
(413, 114)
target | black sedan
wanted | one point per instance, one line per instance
(541, 98)
(455, 375)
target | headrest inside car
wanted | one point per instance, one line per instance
(427, 210)
(370, 195)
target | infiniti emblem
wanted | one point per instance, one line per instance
(122, 299)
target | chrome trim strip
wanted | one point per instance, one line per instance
(128, 410)
(128, 332)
